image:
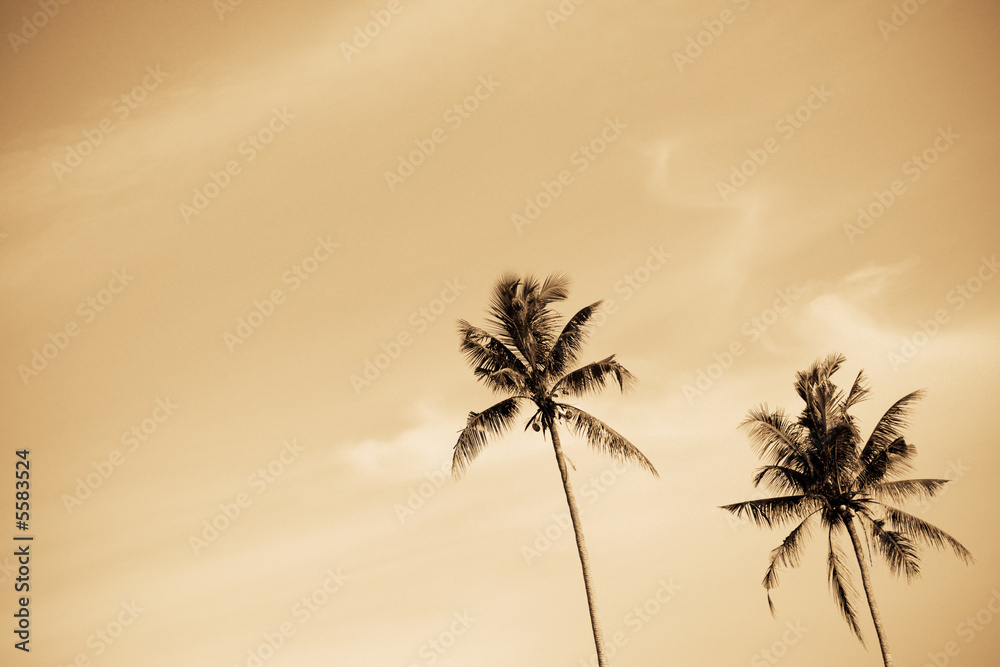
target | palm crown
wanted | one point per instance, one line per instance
(522, 353)
(830, 474)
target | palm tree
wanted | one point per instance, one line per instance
(522, 354)
(828, 474)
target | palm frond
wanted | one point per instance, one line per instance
(775, 511)
(522, 319)
(919, 529)
(593, 377)
(781, 479)
(775, 438)
(603, 438)
(786, 554)
(841, 453)
(894, 459)
(842, 588)
(889, 427)
(568, 345)
(817, 391)
(495, 420)
(555, 287)
(897, 549)
(492, 362)
(904, 490)
(859, 392)
(817, 375)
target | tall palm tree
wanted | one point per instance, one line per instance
(832, 476)
(523, 355)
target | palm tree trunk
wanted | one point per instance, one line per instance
(581, 547)
(866, 581)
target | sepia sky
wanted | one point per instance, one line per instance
(236, 238)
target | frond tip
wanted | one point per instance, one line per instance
(786, 554)
(605, 439)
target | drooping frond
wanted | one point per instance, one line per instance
(567, 347)
(897, 549)
(781, 479)
(603, 438)
(889, 428)
(786, 554)
(495, 420)
(776, 439)
(906, 490)
(772, 512)
(918, 529)
(842, 588)
(593, 377)
(492, 362)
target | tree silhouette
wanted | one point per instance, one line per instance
(831, 476)
(523, 355)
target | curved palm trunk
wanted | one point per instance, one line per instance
(866, 581)
(581, 547)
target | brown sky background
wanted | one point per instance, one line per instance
(683, 128)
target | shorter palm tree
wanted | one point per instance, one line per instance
(831, 476)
